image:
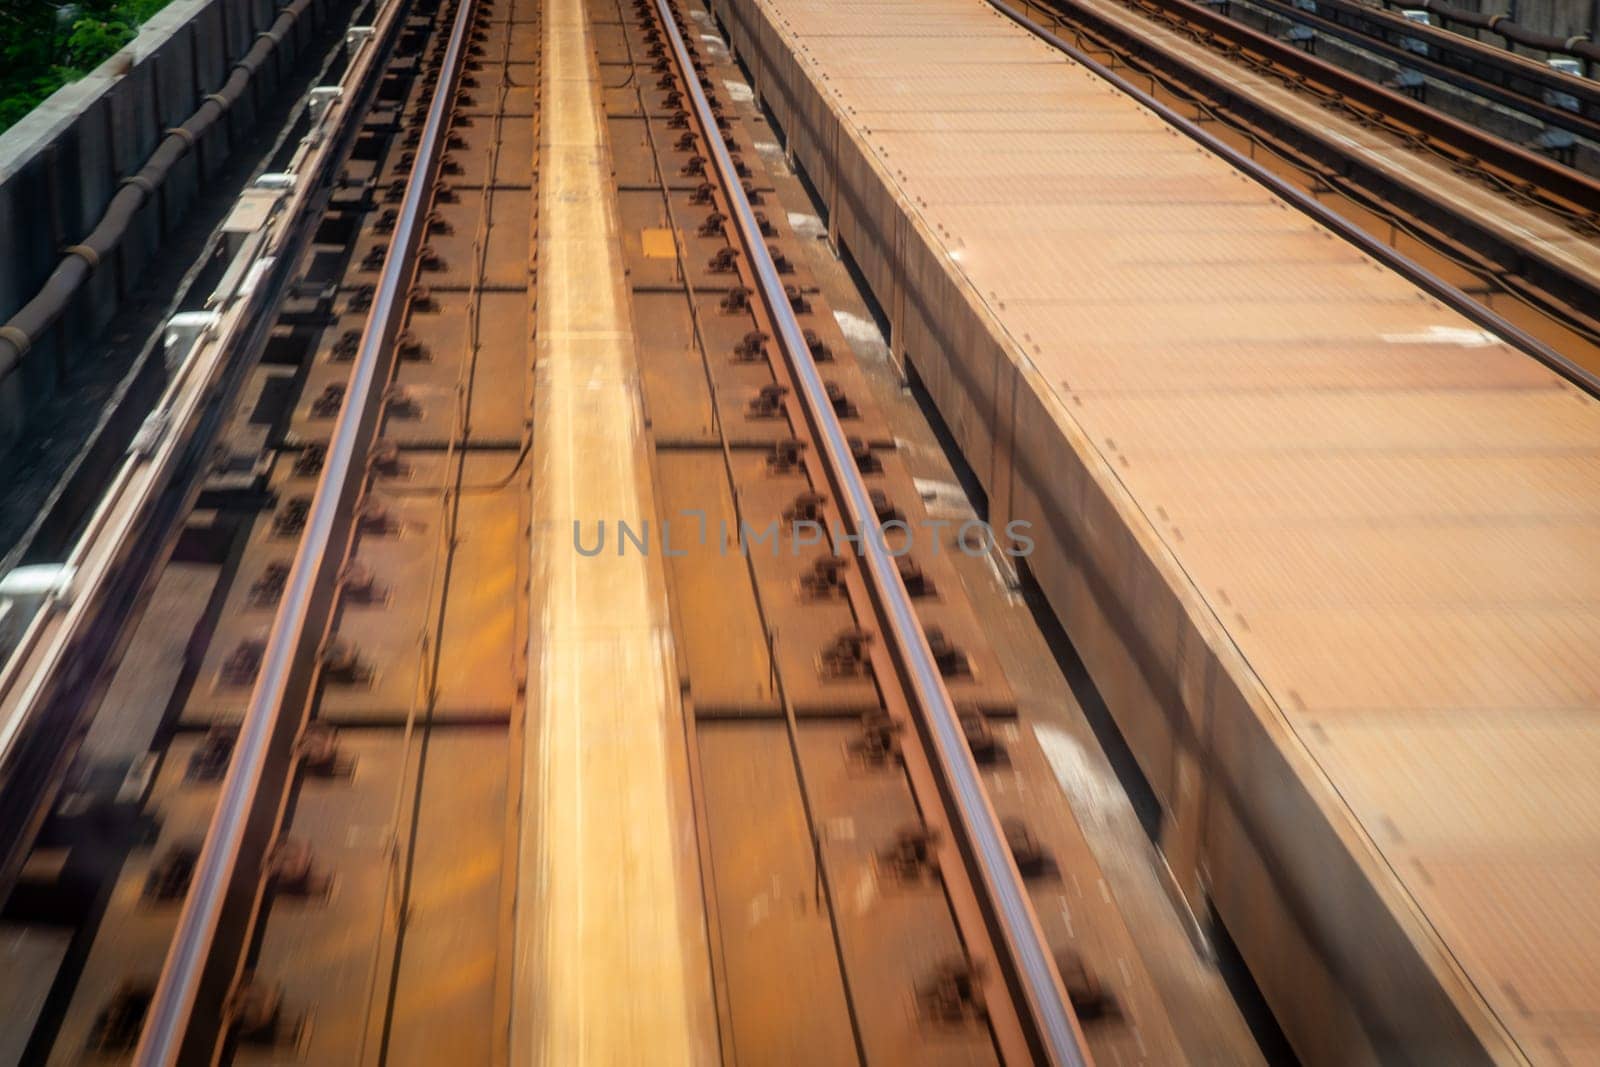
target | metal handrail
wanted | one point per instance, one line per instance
(167, 1020)
(1030, 958)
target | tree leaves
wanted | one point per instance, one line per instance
(44, 46)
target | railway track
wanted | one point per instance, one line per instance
(1514, 229)
(283, 770)
(318, 563)
(1566, 105)
(288, 816)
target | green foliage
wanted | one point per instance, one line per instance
(44, 45)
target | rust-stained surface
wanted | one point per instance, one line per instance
(608, 895)
(1351, 530)
(808, 807)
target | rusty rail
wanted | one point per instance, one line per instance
(1054, 1035)
(283, 668)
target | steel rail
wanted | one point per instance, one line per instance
(1408, 268)
(1059, 1039)
(1542, 278)
(1575, 188)
(110, 553)
(171, 1006)
(1381, 26)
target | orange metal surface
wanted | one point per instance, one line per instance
(1391, 512)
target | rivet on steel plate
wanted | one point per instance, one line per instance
(328, 402)
(952, 661)
(290, 518)
(376, 520)
(951, 994)
(785, 458)
(291, 870)
(980, 736)
(752, 347)
(819, 350)
(410, 348)
(879, 739)
(768, 402)
(243, 663)
(344, 349)
(1031, 858)
(209, 761)
(116, 1028)
(910, 856)
(169, 879)
(806, 507)
(712, 226)
(429, 259)
(846, 655)
(884, 508)
(320, 753)
(385, 461)
(421, 299)
(342, 663)
(310, 459)
(916, 580)
(267, 589)
(360, 586)
(825, 579)
(1089, 998)
(867, 461)
(255, 1015)
(837, 397)
(400, 403)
